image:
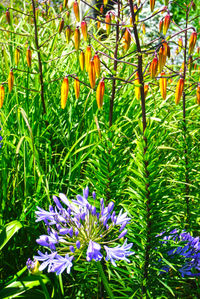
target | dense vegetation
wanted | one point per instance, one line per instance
(139, 150)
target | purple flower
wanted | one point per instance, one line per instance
(61, 263)
(47, 260)
(93, 252)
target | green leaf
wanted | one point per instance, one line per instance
(8, 231)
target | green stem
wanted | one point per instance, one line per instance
(104, 280)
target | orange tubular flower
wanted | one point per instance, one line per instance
(190, 61)
(192, 42)
(88, 56)
(84, 29)
(180, 44)
(198, 94)
(91, 73)
(126, 39)
(65, 3)
(77, 87)
(108, 21)
(28, 56)
(82, 60)
(64, 92)
(98, 22)
(146, 88)
(100, 93)
(76, 10)
(10, 81)
(137, 87)
(152, 4)
(154, 67)
(166, 24)
(77, 38)
(61, 25)
(162, 58)
(2, 95)
(179, 90)
(163, 86)
(8, 16)
(68, 34)
(101, 9)
(143, 28)
(161, 25)
(17, 54)
(97, 64)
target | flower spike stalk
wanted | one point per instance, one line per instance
(179, 90)
(10, 81)
(77, 87)
(2, 95)
(163, 86)
(64, 92)
(100, 93)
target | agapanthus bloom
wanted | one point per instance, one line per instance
(184, 248)
(77, 229)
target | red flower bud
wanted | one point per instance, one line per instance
(88, 56)
(100, 93)
(192, 42)
(82, 60)
(166, 24)
(64, 92)
(61, 25)
(77, 38)
(84, 29)
(2, 95)
(152, 4)
(161, 25)
(76, 10)
(126, 39)
(77, 87)
(8, 16)
(28, 56)
(179, 90)
(154, 67)
(97, 64)
(108, 21)
(10, 81)
(68, 34)
(163, 86)
(91, 73)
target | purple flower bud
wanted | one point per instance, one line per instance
(78, 244)
(94, 195)
(122, 226)
(122, 234)
(110, 206)
(64, 231)
(102, 203)
(93, 211)
(86, 192)
(83, 216)
(105, 221)
(76, 232)
(107, 226)
(57, 202)
(70, 232)
(71, 248)
(51, 209)
(48, 230)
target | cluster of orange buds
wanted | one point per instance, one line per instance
(126, 39)
(108, 21)
(17, 54)
(180, 44)
(77, 87)
(76, 10)
(163, 86)
(198, 94)
(91, 73)
(64, 92)
(8, 16)
(152, 4)
(84, 30)
(82, 60)
(192, 42)
(166, 24)
(65, 3)
(143, 28)
(88, 56)
(2, 95)
(77, 38)
(28, 56)
(154, 66)
(137, 86)
(97, 64)
(10, 80)
(146, 88)
(179, 90)
(100, 93)
(61, 25)
(68, 34)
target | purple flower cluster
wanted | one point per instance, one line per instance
(187, 249)
(76, 228)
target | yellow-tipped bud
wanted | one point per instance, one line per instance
(108, 21)
(154, 67)
(152, 4)
(28, 56)
(8, 16)
(198, 94)
(88, 56)
(166, 23)
(61, 25)
(64, 92)
(77, 87)
(76, 10)
(97, 64)
(68, 34)
(161, 25)
(162, 58)
(192, 42)
(163, 86)
(82, 60)
(100, 93)
(10, 81)
(77, 38)
(2, 95)
(65, 3)
(179, 90)
(17, 55)
(126, 39)
(101, 9)
(146, 88)
(91, 73)
(143, 28)
(137, 86)
(84, 29)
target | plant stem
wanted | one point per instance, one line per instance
(39, 59)
(104, 280)
(115, 66)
